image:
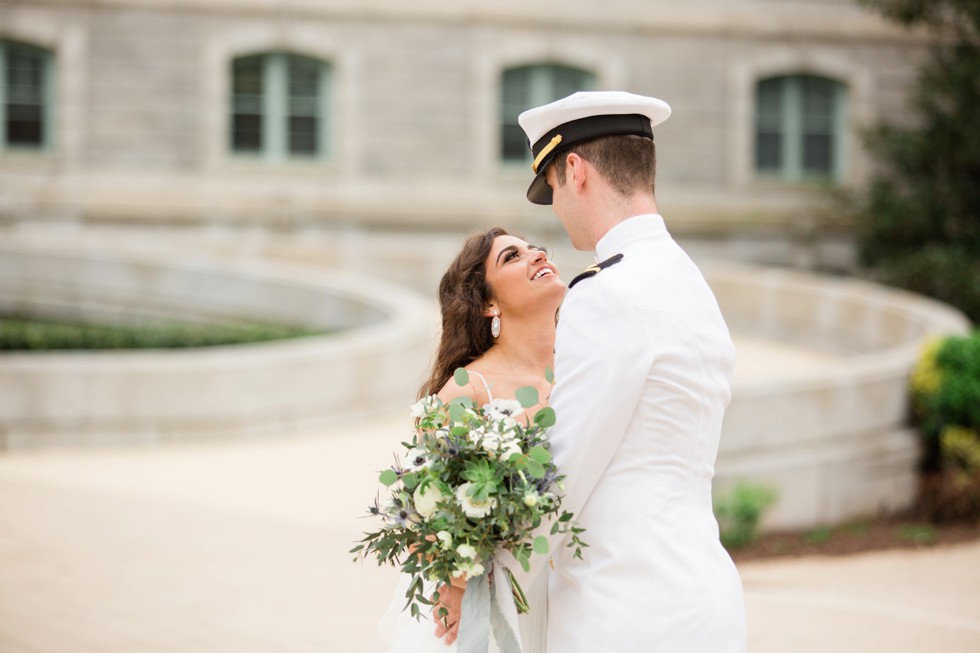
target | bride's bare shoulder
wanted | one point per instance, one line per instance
(476, 389)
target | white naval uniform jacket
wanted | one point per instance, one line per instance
(643, 360)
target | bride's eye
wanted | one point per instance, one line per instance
(510, 255)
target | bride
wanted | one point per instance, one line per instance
(499, 301)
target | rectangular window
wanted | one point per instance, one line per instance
(799, 125)
(279, 105)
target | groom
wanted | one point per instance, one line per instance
(643, 360)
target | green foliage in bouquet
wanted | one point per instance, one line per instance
(945, 388)
(472, 479)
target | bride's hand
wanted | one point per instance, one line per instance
(450, 600)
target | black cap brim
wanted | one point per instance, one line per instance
(539, 192)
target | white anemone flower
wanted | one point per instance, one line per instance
(474, 509)
(502, 409)
(416, 458)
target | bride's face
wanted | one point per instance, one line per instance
(522, 277)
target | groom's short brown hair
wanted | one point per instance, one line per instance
(628, 163)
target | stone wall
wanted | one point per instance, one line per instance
(142, 106)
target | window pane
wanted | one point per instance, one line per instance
(303, 105)
(819, 120)
(818, 154)
(768, 152)
(24, 95)
(818, 105)
(769, 105)
(247, 89)
(302, 135)
(514, 143)
(566, 81)
(516, 90)
(247, 133)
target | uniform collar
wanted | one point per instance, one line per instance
(630, 229)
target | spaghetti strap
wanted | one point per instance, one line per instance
(485, 384)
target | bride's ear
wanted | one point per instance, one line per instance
(491, 310)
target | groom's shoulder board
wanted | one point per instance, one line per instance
(593, 270)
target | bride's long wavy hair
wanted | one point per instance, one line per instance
(463, 297)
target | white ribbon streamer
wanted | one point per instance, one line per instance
(484, 610)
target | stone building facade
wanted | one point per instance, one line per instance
(382, 113)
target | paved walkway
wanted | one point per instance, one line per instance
(241, 547)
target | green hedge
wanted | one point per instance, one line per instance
(24, 333)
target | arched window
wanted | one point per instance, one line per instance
(800, 126)
(26, 96)
(280, 107)
(531, 86)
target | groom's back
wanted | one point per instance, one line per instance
(655, 577)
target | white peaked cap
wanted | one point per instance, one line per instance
(581, 117)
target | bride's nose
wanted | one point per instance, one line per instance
(538, 255)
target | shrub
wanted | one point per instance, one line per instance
(945, 389)
(739, 512)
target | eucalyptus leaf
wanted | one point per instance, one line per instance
(540, 454)
(388, 477)
(456, 411)
(534, 468)
(462, 400)
(524, 559)
(527, 396)
(545, 417)
(549, 375)
(461, 376)
(410, 480)
(541, 545)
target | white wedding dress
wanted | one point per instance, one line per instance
(401, 633)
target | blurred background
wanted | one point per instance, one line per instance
(222, 224)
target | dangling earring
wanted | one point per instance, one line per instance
(495, 325)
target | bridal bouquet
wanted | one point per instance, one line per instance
(472, 479)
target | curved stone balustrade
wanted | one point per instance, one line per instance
(830, 430)
(71, 398)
